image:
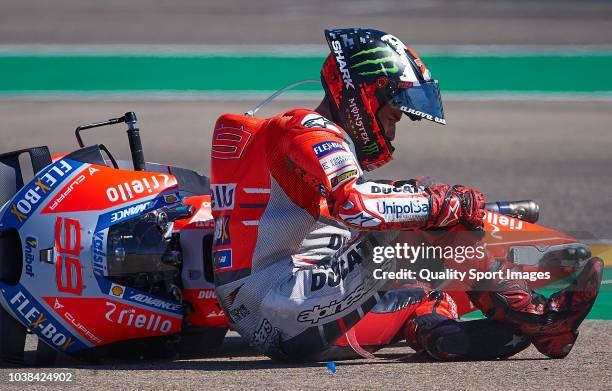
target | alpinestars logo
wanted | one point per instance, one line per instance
(452, 213)
(317, 313)
(361, 220)
(317, 121)
(232, 295)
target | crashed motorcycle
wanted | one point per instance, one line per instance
(96, 251)
(99, 255)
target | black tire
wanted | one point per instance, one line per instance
(12, 339)
(199, 341)
(46, 356)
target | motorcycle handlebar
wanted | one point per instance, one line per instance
(526, 210)
(133, 137)
(135, 144)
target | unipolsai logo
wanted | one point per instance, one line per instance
(223, 196)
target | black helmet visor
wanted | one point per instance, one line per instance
(422, 99)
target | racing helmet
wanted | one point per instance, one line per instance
(367, 69)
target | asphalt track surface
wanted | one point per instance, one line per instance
(236, 366)
(434, 22)
(557, 153)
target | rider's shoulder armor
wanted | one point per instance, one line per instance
(306, 120)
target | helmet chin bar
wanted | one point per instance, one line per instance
(269, 99)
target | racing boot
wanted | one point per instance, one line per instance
(551, 324)
(451, 339)
(566, 310)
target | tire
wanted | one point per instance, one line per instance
(46, 356)
(12, 339)
(199, 341)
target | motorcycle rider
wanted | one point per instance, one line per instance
(296, 224)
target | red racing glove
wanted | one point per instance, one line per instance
(451, 205)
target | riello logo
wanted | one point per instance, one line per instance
(136, 188)
(132, 317)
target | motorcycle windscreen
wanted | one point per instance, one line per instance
(421, 100)
(135, 246)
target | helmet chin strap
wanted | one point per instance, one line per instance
(269, 99)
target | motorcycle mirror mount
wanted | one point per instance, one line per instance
(133, 133)
(269, 99)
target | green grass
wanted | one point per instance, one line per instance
(527, 73)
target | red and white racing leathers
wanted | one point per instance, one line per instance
(296, 223)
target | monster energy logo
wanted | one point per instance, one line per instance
(382, 61)
(370, 149)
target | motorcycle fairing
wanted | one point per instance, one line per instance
(59, 215)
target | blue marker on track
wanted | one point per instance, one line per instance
(331, 366)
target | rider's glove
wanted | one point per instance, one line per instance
(451, 205)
